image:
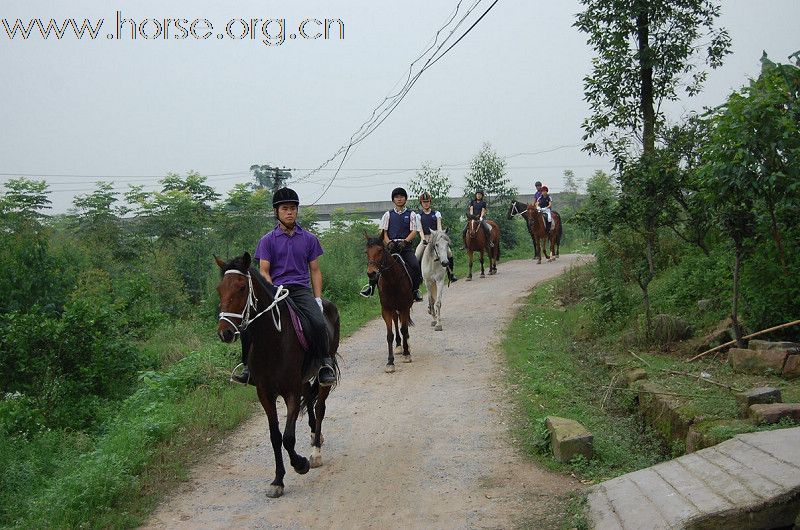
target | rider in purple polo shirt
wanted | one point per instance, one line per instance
(288, 256)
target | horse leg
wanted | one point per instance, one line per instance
(438, 307)
(432, 287)
(316, 443)
(405, 318)
(388, 318)
(310, 395)
(483, 274)
(469, 276)
(268, 402)
(396, 333)
(299, 463)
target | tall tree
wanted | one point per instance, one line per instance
(646, 50)
(752, 162)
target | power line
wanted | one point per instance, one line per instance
(371, 127)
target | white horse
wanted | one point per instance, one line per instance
(434, 263)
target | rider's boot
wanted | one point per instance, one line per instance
(417, 296)
(547, 226)
(326, 375)
(242, 378)
(450, 266)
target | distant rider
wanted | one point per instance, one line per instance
(399, 227)
(431, 219)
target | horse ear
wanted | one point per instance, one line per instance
(220, 263)
(246, 260)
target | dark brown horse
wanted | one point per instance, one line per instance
(475, 241)
(538, 229)
(395, 290)
(278, 364)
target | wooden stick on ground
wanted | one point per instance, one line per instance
(723, 385)
(731, 343)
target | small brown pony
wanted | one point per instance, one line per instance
(395, 291)
(278, 364)
(538, 229)
(475, 241)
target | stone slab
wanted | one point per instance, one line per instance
(766, 345)
(764, 394)
(774, 412)
(756, 361)
(635, 375)
(791, 368)
(750, 481)
(568, 439)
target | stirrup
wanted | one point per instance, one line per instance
(369, 288)
(242, 378)
(326, 376)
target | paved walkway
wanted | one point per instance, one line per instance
(750, 481)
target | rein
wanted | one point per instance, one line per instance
(514, 210)
(252, 303)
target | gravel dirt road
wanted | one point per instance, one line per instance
(426, 447)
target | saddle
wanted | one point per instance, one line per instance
(299, 320)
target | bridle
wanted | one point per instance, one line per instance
(252, 303)
(514, 210)
(436, 253)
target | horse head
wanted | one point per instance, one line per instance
(376, 256)
(516, 208)
(234, 291)
(473, 224)
(439, 244)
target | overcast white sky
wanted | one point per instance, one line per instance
(131, 111)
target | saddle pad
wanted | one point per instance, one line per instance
(298, 327)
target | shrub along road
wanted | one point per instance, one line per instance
(427, 446)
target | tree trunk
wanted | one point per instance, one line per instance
(737, 327)
(776, 235)
(646, 77)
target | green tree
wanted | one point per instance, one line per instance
(487, 172)
(97, 217)
(598, 214)
(752, 162)
(645, 50)
(571, 187)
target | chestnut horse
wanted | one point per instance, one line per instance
(538, 229)
(475, 241)
(395, 290)
(278, 364)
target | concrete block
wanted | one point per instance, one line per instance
(773, 412)
(761, 395)
(568, 438)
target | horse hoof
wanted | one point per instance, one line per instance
(433, 323)
(389, 369)
(398, 349)
(273, 491)
(438, 328)
(483, 275)
(407, 358)
(315, 461)
(304, 466)
(468, 279)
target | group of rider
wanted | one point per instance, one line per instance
(288, 256)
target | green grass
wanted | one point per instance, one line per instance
(114, 478)
(551, 374)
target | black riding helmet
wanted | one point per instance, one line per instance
(285, 195)
(399, 191)
(479, 191)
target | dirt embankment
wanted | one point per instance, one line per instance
(425, 447)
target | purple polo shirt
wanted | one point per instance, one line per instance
(289, 257)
